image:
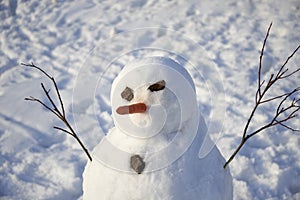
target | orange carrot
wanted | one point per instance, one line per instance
(131, 109)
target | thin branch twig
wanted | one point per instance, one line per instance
(53, 81)
(288, 127)
(282, 114)
(260, 59)
(42, 103)
(60, 114)
(63, 130)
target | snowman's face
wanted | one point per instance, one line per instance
(141, 97)
(152, 97)
(155, 112)
(150, 107)
(140, 100)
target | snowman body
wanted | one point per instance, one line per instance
(157, 121)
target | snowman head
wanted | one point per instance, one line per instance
(155, 112)
(151, 97)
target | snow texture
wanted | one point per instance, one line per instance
(84, 45)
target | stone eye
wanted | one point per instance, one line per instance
(160, 85)
(127, 94)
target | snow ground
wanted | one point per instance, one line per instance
(38, 162)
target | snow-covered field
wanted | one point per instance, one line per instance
(75, 41)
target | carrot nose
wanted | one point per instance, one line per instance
(131, 109)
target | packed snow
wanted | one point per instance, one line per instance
(167, 144)
(84, 44)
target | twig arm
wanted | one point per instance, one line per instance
(53, 81)
(282, 114)
(60, 114)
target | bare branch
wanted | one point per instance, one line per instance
(276, 97)
(64, 130)
(60, 114)
(288, 127)
(284, 99)
(42, 103)
(282, 114)
(53, 81)
(287, 60)
(258, 94)
(274, 121)
(32, 65)
(260, 59)
(249, 120)
(50, 99)
(290, 74)
(279, 96)
(270, 82)
(281, 73)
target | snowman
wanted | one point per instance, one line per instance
(152, 152)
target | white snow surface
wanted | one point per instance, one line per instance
(80, 41)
